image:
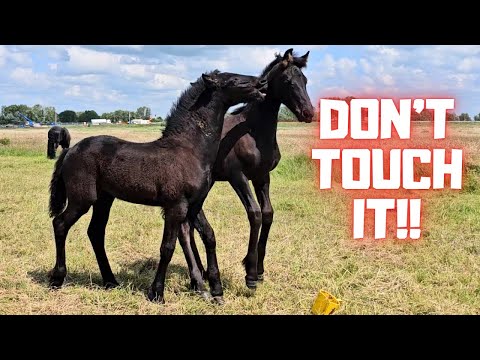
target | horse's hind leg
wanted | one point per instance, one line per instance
(196, 253)
(197, 284)
(61, 225)
(96, 233)
(208, 236)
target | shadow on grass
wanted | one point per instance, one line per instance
(137, 276)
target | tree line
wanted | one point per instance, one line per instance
(12, 114)
(47, 114)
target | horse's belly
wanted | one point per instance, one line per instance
(138, 193)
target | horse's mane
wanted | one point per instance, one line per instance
(297, 61)
(180, 109)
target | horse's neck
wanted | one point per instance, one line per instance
(263, 121)
(202, 128)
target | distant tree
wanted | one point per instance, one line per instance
(452, 116)
(14, 109)
(36, 113)
(9, 118)
(143, 112)
(88, 115)
(49, 114)
(286, 115)
(157, 119)
(425, 115)
(11, 114)
(464, 117)
(67, 116)
(476, 117)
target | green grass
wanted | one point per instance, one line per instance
(310, 247)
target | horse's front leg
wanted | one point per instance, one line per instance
(242, 188)
(262, 190)
(174, 216)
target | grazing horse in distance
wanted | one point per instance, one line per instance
(173, 172)
(249, 152)
(57, 135)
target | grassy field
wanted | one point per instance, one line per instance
(310, 247)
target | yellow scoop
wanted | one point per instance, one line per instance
(325, 304)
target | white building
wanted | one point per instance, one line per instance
(140, 122)
(100, 121)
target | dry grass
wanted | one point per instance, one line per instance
(309, 248)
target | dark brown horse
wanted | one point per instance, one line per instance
(249, 151)
(57, 135)
(173, 172)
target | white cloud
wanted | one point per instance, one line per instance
(167, 82)
(390, 53)
(135, 71)
(91, 93)
(469, 64)
(328, 66)
(82, 60)
(251, 58)
(75, 90)
(462, 80)
(346, 65)
(131, 47)
(28, 77)
(388, 79)
(89, 79)
(366, 67)
(7, 54)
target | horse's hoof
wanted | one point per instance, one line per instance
(153, 296)
(56, 278)
(260, 277)
(251, 284)
(111, 285)
(218, 300)
(55, 283)
(205, 295)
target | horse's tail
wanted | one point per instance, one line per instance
(52, 139)
(58, 194)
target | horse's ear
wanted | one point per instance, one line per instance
(210, 81)
(305, 57)
(288, 56)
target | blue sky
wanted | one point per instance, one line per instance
(110, 77)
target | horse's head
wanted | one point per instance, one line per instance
(236, 88)
(288, 84)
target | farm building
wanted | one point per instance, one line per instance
(140, 122)
(100, 121)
